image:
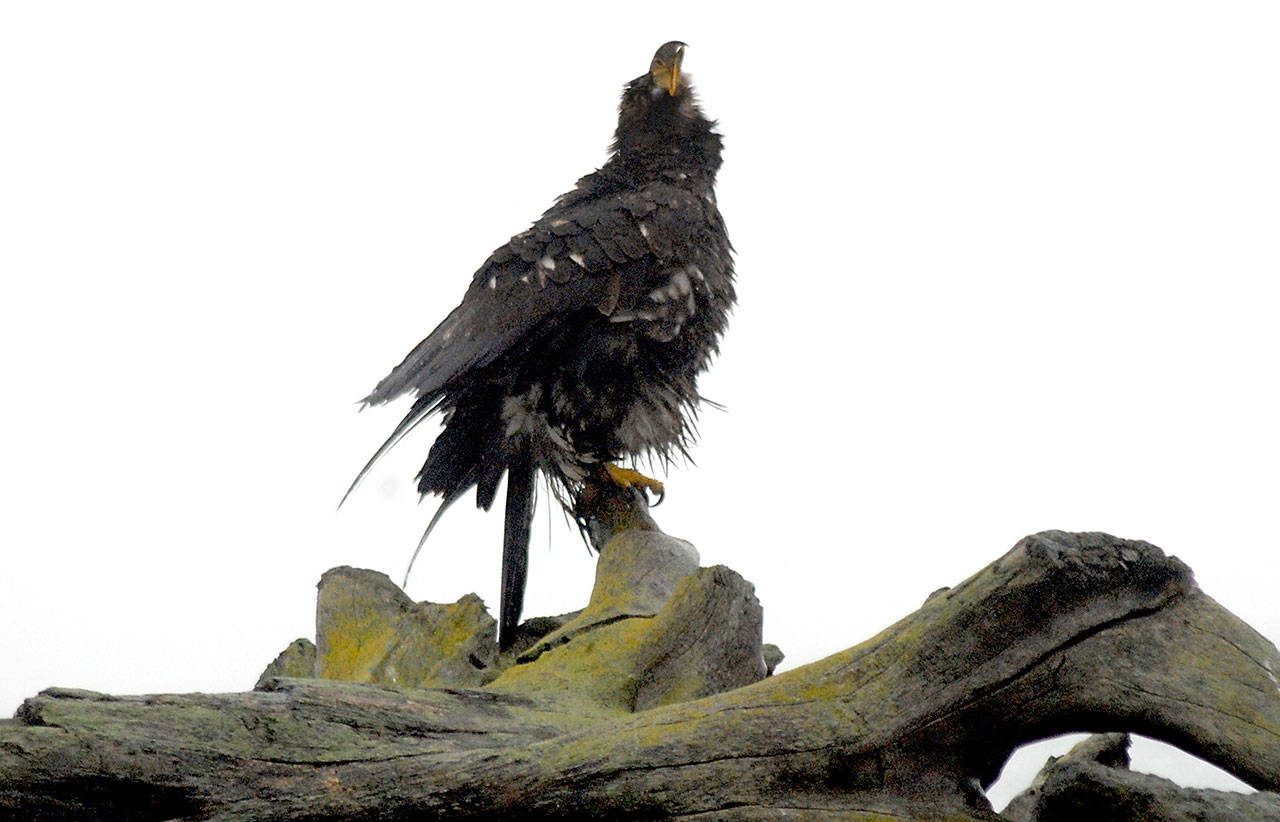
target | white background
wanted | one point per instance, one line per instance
(1002, 267)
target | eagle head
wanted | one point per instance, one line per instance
(664, 71)
(659, 115)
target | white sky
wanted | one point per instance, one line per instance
(1002, 267)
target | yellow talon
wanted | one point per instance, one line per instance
(628, 477)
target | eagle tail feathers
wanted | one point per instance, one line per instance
(444, 506)
(518, 521)
(419, 412)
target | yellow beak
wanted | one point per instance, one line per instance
(665, 68)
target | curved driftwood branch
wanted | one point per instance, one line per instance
(626, 711)
(1093, 781)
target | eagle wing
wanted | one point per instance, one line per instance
(616, 253)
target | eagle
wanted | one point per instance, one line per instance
(579, 342)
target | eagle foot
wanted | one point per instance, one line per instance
(630, 478)
(612, 500)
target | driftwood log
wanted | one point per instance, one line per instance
(653, 702)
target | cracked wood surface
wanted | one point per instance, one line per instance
(1066, 632)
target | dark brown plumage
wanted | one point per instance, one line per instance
(580, 340)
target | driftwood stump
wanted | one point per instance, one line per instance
(653, 702)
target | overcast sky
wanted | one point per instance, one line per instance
(1002, 267)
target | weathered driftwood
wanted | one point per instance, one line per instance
(635, 708)
(1093, 781)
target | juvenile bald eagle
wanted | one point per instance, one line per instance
(579, 341)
